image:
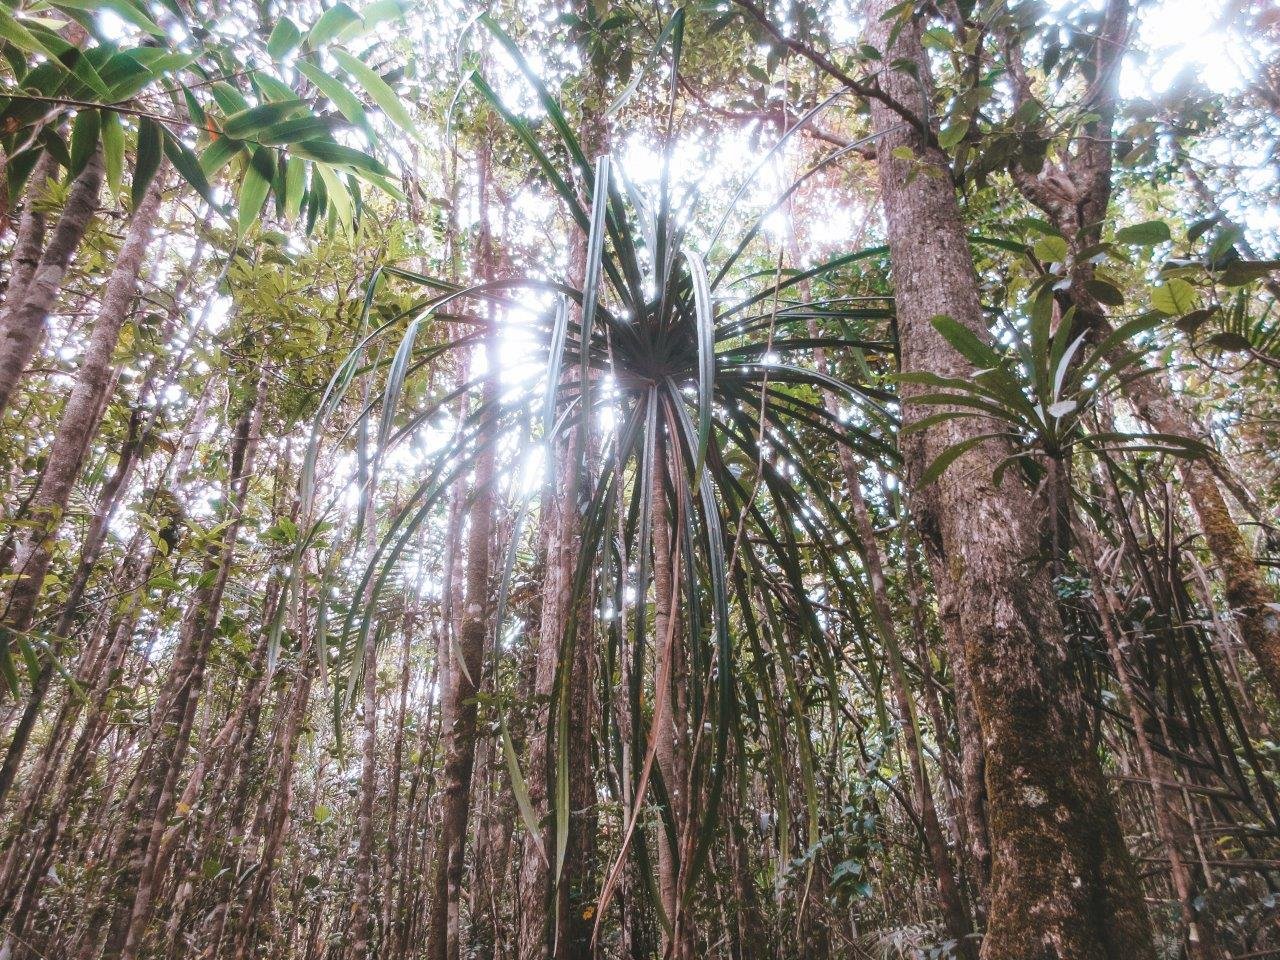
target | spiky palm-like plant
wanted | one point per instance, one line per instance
(716, 408)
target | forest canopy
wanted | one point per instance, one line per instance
(740, 479)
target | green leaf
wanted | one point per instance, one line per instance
(271, 90)
(966, 342)
(342, 98)
(218, 154)
(378, 12)
(387, 99)
(521, 792)
(188, 166)
(18, 170)
(84, 139)
(332, 22)
(1051, 249)
(230, 99)
(294, 186)
(1105, 292)
(326, 151)
(17, 34)
(299, 128)
(1227, 340)
(1240, 272)
(284, 37)
(148, 159)
(1174, 297)
(256, 186)
(953, 134)
(64, 56)
(245, 124)
(338, 194)
(125, 73)
(8, 669)
(1145, 234)
(947, 457)
(125, 10)
(113, 150)
(160, 62)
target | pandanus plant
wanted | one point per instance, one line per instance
(1041, 397)
(719, 432)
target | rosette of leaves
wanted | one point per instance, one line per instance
(718, 409)
(1038, 392)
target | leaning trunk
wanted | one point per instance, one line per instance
(24, 323)
(77, 425)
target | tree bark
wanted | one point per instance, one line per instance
(459, 708)
(543, 913)
(79, 418)
(672, 739)
(1062, 883)
(29, 243)
(25, 322)
(133, 889)
(276, 820)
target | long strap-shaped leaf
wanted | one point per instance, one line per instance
(590, 294)
(704, 309)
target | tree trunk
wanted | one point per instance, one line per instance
(672, 739)
(954, 912)
(25, 322)
(1062, 882)
(360, 909)
(459, 708)
(134, 886)
(29, 243)
(79, 418)
(541, 913)
(76, 428)
(273, 829)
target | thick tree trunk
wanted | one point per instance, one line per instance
(1062, 882)
(24, 323)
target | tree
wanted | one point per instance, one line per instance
(1062, 881)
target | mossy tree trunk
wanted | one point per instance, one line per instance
(1062, 882)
